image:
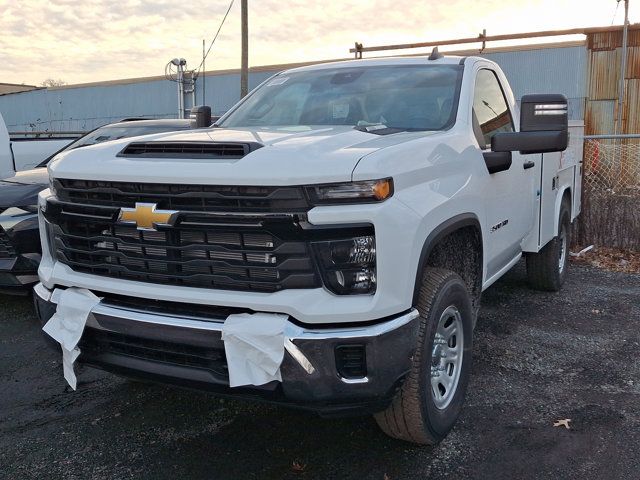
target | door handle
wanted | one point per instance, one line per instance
(529, 164)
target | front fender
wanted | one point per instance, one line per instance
(447, 227)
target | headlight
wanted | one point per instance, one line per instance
(19, 211)
(51, 240)
(348, 265)
(52, 187)
(369, 191)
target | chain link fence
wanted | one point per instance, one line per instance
(611, 192)
(612, 165)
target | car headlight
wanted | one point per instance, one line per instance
(348, 265)
(368, 191)
(19, 211)
(52, 187)
(12, 216)
(51, 239)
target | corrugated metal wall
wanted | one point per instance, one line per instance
(610, 197)
(84, 108)
(537, 70)
(603, 77)
(548, 70)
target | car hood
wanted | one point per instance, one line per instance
(22, 188)
(287, 157)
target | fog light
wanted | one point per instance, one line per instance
(354, 250)
(355, 281)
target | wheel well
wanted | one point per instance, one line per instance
(566, 196)
(566, 199)
(461, 251)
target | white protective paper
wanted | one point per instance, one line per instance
(67, 324)
(254, 347)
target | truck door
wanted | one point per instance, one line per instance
(6, 157)
(509, 193)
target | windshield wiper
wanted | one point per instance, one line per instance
(377, 128)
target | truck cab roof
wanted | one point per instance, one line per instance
(384, 61)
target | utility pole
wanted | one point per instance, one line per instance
(623, 66)
(244, 69)
(180, 63)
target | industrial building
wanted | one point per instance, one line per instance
(532, 69)
(15, 88)
(585, 71)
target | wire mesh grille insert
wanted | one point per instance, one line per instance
(201, 198)
(6, 248)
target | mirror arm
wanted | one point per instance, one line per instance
(497, 161)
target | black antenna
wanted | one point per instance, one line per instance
(204, 73)
(435, 54)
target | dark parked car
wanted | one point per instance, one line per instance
(19, 238)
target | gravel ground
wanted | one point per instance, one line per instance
(538, 358)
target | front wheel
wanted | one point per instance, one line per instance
(547, 269)
(430, 400)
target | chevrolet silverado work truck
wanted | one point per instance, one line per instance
(367, 202)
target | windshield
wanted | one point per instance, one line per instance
(407, 97)
(104, 134)
(113, 132)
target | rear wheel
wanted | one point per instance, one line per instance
(547, 269)
(430, 400)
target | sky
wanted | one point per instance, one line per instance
(96, 40)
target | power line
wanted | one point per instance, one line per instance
(214, 38)
(615, 12)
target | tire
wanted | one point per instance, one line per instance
(547, 269)
(417, 414)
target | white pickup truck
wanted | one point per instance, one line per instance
(324, 245)
(6, 155)
(25, 153)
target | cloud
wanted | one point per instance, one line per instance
(100, 40)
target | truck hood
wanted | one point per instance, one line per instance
(22, 188)
(287, 157)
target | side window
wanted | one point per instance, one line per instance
(490, 107)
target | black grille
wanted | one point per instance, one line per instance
(232, 237)
(209, 312)
(97, 342)
(228, 257)
(351, 361)
(186, 150)
(6, 248)
(201, 198)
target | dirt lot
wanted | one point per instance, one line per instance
(539, 358)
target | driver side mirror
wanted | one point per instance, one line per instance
(200, 116)
(544, 126)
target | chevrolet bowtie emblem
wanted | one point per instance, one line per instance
(145, 216)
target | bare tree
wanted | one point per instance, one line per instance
(52, 82)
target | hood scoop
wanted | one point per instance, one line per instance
(213, 150)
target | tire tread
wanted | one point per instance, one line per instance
(542, 267)
(403, 419)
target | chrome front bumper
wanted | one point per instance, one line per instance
(310, 370)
